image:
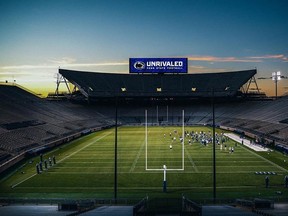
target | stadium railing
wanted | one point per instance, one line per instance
(190, 208)
(140, 207)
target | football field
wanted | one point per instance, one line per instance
(85, 167)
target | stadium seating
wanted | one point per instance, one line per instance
(28, 122)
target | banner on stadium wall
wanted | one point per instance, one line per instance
(158, 65)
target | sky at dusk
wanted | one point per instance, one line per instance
(39, 36)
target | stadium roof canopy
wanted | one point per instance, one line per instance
(105, 85)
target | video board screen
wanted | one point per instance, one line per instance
(158, 65)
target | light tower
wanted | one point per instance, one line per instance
(276, 76)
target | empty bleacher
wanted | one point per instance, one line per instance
(27, 121)
(262, 118)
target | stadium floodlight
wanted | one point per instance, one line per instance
(193, 89)
(159, 89)
(276, 76)
(123, 89)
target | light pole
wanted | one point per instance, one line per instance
(276, 76)
(227, 88)
(115, 150)
(214, 148)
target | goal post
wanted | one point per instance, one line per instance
(182, 149)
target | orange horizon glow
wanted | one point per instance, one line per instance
(43, 89)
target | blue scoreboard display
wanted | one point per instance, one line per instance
(158, 65)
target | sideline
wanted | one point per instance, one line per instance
(256, 148)
(246, 142)
(89, 144)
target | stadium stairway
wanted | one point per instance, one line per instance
(32, 210)
(225, 210)
(110, 211)
(280, 209)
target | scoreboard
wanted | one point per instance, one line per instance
(158, 65)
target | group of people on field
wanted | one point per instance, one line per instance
(201, 137)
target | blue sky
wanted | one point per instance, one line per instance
(38, 36)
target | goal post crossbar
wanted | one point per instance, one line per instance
(182, 169)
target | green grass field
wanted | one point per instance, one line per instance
(85, 169)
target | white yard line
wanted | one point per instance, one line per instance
(137, 157)
(13, 186)
(90, 143)
(246, 142)
(268, 161)
(148, 188)
(191, 161)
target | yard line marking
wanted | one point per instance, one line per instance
(13, 186)
(156, 171)
(148, 188)
(191, 160)
(259, 156)
(90, 143)
(137, 158)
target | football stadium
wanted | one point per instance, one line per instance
(146, 144)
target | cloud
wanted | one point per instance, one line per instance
(221, 59)
(196, 67)
(68, 62)
(64, 60)
(62, 65)
(212, 59)
(204, 69)
(71, 62)
(16, 67)
(95, 64)
(280, 56)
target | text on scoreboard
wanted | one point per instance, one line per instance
(158, 65)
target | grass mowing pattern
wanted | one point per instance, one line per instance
(85, 169)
